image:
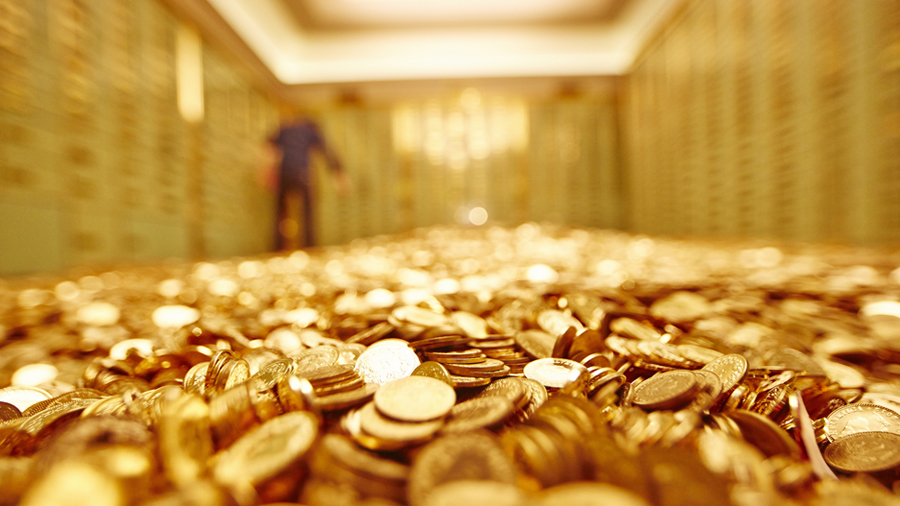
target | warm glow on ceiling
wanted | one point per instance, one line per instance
(433, 12)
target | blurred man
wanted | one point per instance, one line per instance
(294, 145)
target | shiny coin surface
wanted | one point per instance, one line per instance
(665, 390)
(476, 493)
(267, 449)
(731, 369)
(864, 452)
(387, 360)
(415, 399)
(374, 423)
(588, 494)
(514, 389)
(434, 370)
(479, 413)
(8, 412)
(23, 397)
(537, 343)
(453, 457)
(855, 418)
(556, 372)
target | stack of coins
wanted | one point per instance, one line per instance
(535, 365)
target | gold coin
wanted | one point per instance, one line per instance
(537, 343)
(375, 424)
(23, 397)
(588, 494)
(315, 358)
(472, 325)
(344, 400)
(419, 316)
(479, 413)
(268, 375)
(8, 412)
(385, 361)
(556, 322)
(346, 454)
(556, 372)
(415, 399)
(476, 493)
(537, 395)
(195, 379)
(469, 455)
(433, 370)
(855, 418)
(864, 452)
(469, 381)
(75, 483)
(764, 434)
(267, 449)
(665, 390)
(185, 439)
(513, 389)
(731, 369)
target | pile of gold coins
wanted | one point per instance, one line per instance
(497, 366)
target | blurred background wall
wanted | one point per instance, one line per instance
(771, 118)
(128, 135)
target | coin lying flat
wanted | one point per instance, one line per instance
(267, 449)
(864, 452)
(375, 424)
(855, 418)
(415, 399)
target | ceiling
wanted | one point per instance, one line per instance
(321, 15)
(308, 42)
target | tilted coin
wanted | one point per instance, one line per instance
(23, 397)
(268, 374)
(854, 418)
(375, 424)
(470, 455)
(8, 411)
(185, 439)
(315, 358)
(537, 395)
(478, 413)
(348, 399)
(415, 399)
(434, 370)
(267, 449)
(472, 325)
(729, 368)
(537, 343)
(764, 434)
(555, 372)
(387, 360)
(864, 452)
(555, 322)
(514, 389)
(348, 455)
